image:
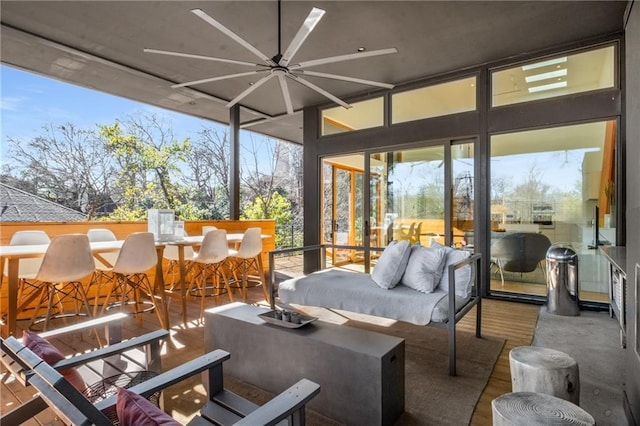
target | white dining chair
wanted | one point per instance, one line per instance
(206, 229)
(128, 278)
(246, 263)
(27, 267)
(66, 262)
(171, 255)
(210, 264)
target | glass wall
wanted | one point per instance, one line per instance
(409, 197)
(434, 101)
(545, 186)
(462, 194)
(361, 115)
(555, 76)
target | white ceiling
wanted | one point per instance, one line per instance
(98, 44)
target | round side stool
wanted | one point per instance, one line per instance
(531, 409)
(537, 369)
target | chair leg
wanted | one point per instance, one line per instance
(263, 281)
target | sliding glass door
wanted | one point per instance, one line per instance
(546, 187)
(421, 194)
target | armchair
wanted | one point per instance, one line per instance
(222, 407)
(519, 252)
(116, 358)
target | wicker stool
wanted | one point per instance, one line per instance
(531, 409)
(537, 369)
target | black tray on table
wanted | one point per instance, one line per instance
(270, 317)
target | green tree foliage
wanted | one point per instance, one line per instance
(148, 155)
(279, 209)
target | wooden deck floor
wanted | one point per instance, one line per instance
(513, 321)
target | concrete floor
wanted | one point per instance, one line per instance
(593, 340)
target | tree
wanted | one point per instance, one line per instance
(67, 165)
(209, 164)
(279, 209)
(148, 154)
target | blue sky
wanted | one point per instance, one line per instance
(29, 101)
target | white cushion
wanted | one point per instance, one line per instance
(424, 269)
(391, 264)
(464, 275)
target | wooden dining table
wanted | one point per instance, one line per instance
(13, 254)
(234, 239)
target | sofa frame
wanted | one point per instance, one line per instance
(475, 260)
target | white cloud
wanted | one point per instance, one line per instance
(10, 103)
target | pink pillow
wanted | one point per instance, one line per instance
(135, 410)
(50, 354)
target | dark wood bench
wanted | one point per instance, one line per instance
(222, 407)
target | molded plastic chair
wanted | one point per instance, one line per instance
(28, 267)
(171, 254)
(100, 234)
(209, 263)
(67, 260)
(247, 261)
(206, 229)
(520, 252)
(128, 277)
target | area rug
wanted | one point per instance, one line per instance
(593, 340)
(432, 397)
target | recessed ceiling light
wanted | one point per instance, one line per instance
(548, 86)
(544, 63)
(546, 75)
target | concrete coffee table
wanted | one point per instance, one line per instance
(361, 373)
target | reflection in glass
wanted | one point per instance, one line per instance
(548, 78)
(549, 182)
(434, 101)
(409, 199)
(361, 115)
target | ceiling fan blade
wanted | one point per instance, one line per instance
(307, 26)
(340, 58)
(345, 78)
(222, 77)
(285, 93)
(319, 90)
(206, 58)
(250, 89)
(201, 14)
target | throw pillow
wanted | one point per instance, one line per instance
(424, 268)
(464, 275)
(50, 354)
(391, 264)
(135, 410)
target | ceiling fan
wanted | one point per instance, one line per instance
(280, 66)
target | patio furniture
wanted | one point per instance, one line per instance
(222, 406)
(67, 260)
(456, 293)
(172, 254)
(361, 372)
(209, 264)
(28, 267)
(128, 278)
(137, 355)
(532, 409)
(519, 252)
(544, 370)
(247, 263)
